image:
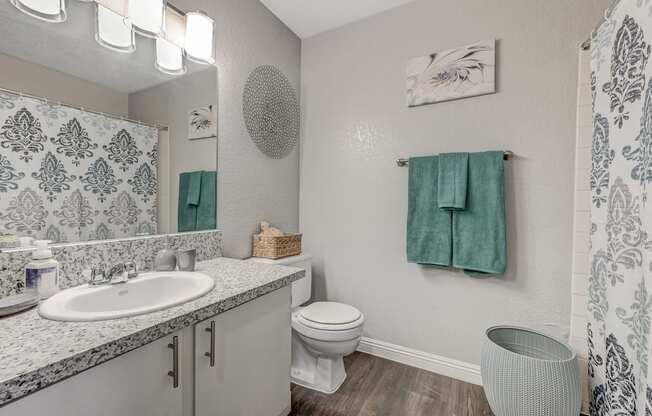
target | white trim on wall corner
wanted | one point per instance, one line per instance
(449, 367)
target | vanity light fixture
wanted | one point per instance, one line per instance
(169, 57)
(199, 38)
(147, 16)
(53, 11)
(114, 31)
(178, 35)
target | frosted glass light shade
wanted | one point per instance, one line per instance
(175, 26)
(169, 58)
(49, 10)
(113, 31)
(147, 16)
(199, 38)
(119, 6)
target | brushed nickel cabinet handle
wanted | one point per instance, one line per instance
(174, 373)
(211, 352)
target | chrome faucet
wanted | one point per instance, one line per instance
(118, 273)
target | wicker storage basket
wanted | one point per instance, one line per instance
(527, 373)
(276, 247)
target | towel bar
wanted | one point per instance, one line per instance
(507, 155)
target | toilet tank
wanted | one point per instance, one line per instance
(301, 288)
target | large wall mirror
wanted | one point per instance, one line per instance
(97, 143)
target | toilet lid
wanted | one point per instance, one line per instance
(330, 313)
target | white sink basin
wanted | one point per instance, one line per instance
(148, 292)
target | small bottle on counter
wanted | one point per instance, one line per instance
(42, 273)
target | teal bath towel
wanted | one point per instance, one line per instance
(207, 209)
(452, 181)
(428, 227)
(194, 188)
(187, 213)
(197, 208)
(479, 231)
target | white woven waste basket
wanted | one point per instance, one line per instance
(527, 373)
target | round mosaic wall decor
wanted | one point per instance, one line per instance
(271, 111)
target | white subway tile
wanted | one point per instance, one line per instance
(585, 115)
(579, 306)
(583, 159)
(584, 93)
(579, 333)
(582, 180)
(582, 200)
(581, 243)
(580, 346)
(582, 222)
(581, 263)
(578, 322)
(580, 285)
(585, 136)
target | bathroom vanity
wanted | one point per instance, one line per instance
(226, 353)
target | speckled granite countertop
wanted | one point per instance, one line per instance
(36, 352)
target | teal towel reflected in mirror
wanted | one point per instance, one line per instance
(194, 188)
(187, 213)
(207, 210)
(197, 208)
(472, 238)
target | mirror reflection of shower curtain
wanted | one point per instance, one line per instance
(71, 175)
(620, 280)
(164, 182)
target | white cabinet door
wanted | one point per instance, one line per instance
(251, 372)
(134, 384)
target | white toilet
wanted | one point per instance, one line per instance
(322, 333)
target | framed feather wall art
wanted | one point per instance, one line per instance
(202, 123)
(449, 75)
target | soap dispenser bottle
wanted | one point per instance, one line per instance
(42, 272)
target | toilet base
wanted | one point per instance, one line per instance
(322, 373)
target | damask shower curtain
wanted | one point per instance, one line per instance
(69, 175)
(620, 279)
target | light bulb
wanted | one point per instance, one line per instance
(53, 11)
(147, 16)
(199, 38)
(113, 31)
(169, 58)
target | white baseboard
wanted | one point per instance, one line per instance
(449, 367)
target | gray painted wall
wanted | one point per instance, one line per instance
(252, 187)
(26, 77)
(353, 197)
(168, 104)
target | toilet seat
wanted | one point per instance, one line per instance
(328, 321)
(330, 316)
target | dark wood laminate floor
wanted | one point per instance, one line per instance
(378, 387)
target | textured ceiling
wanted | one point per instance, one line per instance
(310, 17)
(70, 47)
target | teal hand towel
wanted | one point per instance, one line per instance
(186, 213)
(207, 209)
(194, 188)
(452, 181)
(428, 227)
(479, 232)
